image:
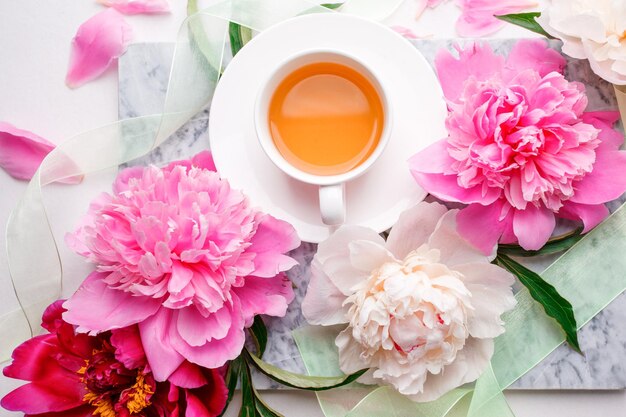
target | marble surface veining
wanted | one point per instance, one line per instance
(143, 74)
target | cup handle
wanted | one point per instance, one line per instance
(333, 204)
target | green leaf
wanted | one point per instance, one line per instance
(232, 377)
(545, 294)
(554, 245)
(332, 6)
(527, 21)
(248, 403)
(251, 403)
(305, 382)
(239, 36)
(264, 410)
(259, 335)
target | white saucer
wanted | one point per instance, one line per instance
(376, 198)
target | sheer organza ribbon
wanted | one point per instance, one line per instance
(590, 275)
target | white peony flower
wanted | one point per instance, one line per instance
(593, 30)
(421, 309)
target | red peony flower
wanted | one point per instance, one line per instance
(77, 375)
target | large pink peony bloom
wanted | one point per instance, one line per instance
(186, 258)
(77, 375)
(521, 151)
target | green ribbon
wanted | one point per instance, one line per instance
(590, 275)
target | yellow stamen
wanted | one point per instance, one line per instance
(104, 407)
(139, 395)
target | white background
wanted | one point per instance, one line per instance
(34, 47)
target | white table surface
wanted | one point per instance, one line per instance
(34, 47)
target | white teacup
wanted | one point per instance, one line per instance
(331, 187)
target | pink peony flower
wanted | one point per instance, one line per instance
(521, 151)
(186, 258)
(73, 374)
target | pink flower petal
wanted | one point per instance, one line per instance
(533, 226)
(611, 138)
(478, 61)
(138, 6)
(477, 16)
(268, 296)
(95, 307)
(21, 152)
(273, 237)
(446, 187)
(154, 331)
(60, 393)
(482, 225)
(404, 31)
(128, 347)
(534, 54)
(202, 160)
(188, 375)
(590, 215)
(97, 44)
(435, 159)
(606, 182)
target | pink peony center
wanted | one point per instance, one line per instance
(524, 137)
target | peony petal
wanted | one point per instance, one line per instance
(188, 375)
(468, 366)
(138, 6)
(534, 54)
(367, 256)
(533, 226)
(21, 153)
(334, 256)
(453, 248)
(611, 139)
(492, 295)
(478, 16)
(273, 237)
(267, 296)
(215, 353)
(98, 42)
(590, 215)
(202, 160)
(606, 182)
(196, 329)
(323, 302)
(350, 358)
(95, 307)
(435, 159)
(210, 399)
(154, 331)
(404, 31)
(414, 227)
(447, 188)
(128, 347)
(55, 394)
(477, 61)
(31, 359)
(482, 225)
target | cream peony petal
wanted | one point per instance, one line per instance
(323, 302)
(469, 365)
(334, 256)
(349, 353)
(367, 256)
(491, 291)
(414, 227)
(453, 248)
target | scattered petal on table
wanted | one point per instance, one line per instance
(21, 152)
(98, 42)
(404, 31)
(138, 6)
(477, 16)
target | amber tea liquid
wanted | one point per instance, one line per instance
(326, 118)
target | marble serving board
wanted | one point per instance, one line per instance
(143, 75)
